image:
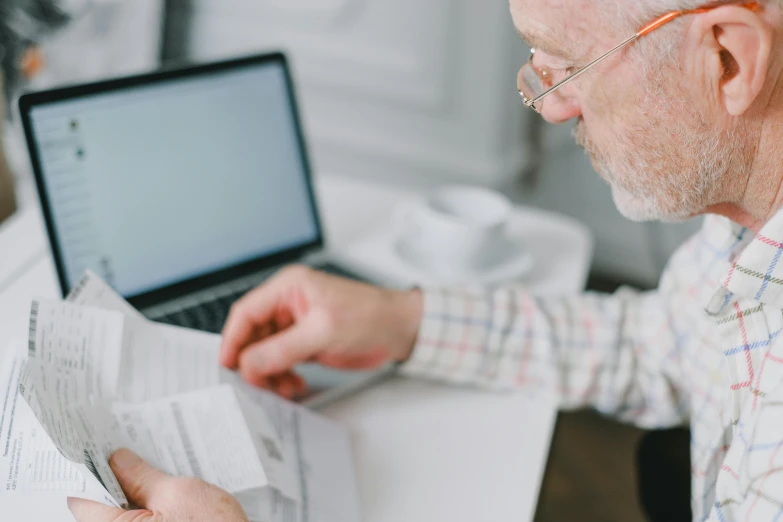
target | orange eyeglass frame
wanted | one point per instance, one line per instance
(647, 29)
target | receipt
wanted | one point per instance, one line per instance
(30, 463)
(157, 360)
(74, 354)
(161, 360)
(319, 453)
(281, 471)
(93, 291)
(58, 401)
(50, 396)
(80, 341)
(200, 434)
(72, 375)
(323, 459)
(98, 376)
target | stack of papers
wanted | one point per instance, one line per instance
(96, 376)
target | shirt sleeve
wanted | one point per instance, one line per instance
(617, 353)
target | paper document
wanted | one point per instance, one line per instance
(200, 434)
(322, 455)
(97, 376)
(30, 463)
(157, 360)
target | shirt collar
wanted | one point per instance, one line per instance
(757, 267)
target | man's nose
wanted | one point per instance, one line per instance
(559, 109)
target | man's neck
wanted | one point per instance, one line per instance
(759, 194)
(762, 197)
(737, 215)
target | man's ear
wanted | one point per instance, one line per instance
(732, 45)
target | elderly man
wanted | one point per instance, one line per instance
(683, 118)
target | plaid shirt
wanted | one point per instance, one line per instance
(656, 359)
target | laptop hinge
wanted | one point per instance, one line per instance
(185, 302)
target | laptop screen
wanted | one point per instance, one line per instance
(157, 183)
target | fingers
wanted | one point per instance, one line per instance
(139, 480)
(89, 511)
(255, 309)
(246, 315)
(289, 385)
(365, 361)
(281, 352)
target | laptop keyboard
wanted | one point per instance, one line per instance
(210, 314)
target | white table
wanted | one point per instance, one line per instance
(496, 456)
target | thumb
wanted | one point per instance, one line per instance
(138, 479)
(89, 511)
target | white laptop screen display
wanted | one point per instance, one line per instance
(153, 185)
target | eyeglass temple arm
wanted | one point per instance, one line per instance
(581, 71)
(665, 19)
(668, 17)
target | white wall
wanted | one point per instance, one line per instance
(411, 89)
(107, 38)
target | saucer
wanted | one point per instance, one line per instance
(378, 257)
(511, 264)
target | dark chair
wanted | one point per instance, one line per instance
(664, 470)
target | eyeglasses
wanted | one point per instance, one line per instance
(536, 83)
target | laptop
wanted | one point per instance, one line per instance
(182, 189)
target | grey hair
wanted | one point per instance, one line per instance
(632, 14)
(642, 10)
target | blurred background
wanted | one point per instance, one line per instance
(419, 92)
(415, 92)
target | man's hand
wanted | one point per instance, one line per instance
(162, 498)
(302, 315)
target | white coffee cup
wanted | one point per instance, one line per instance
(456, 226)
